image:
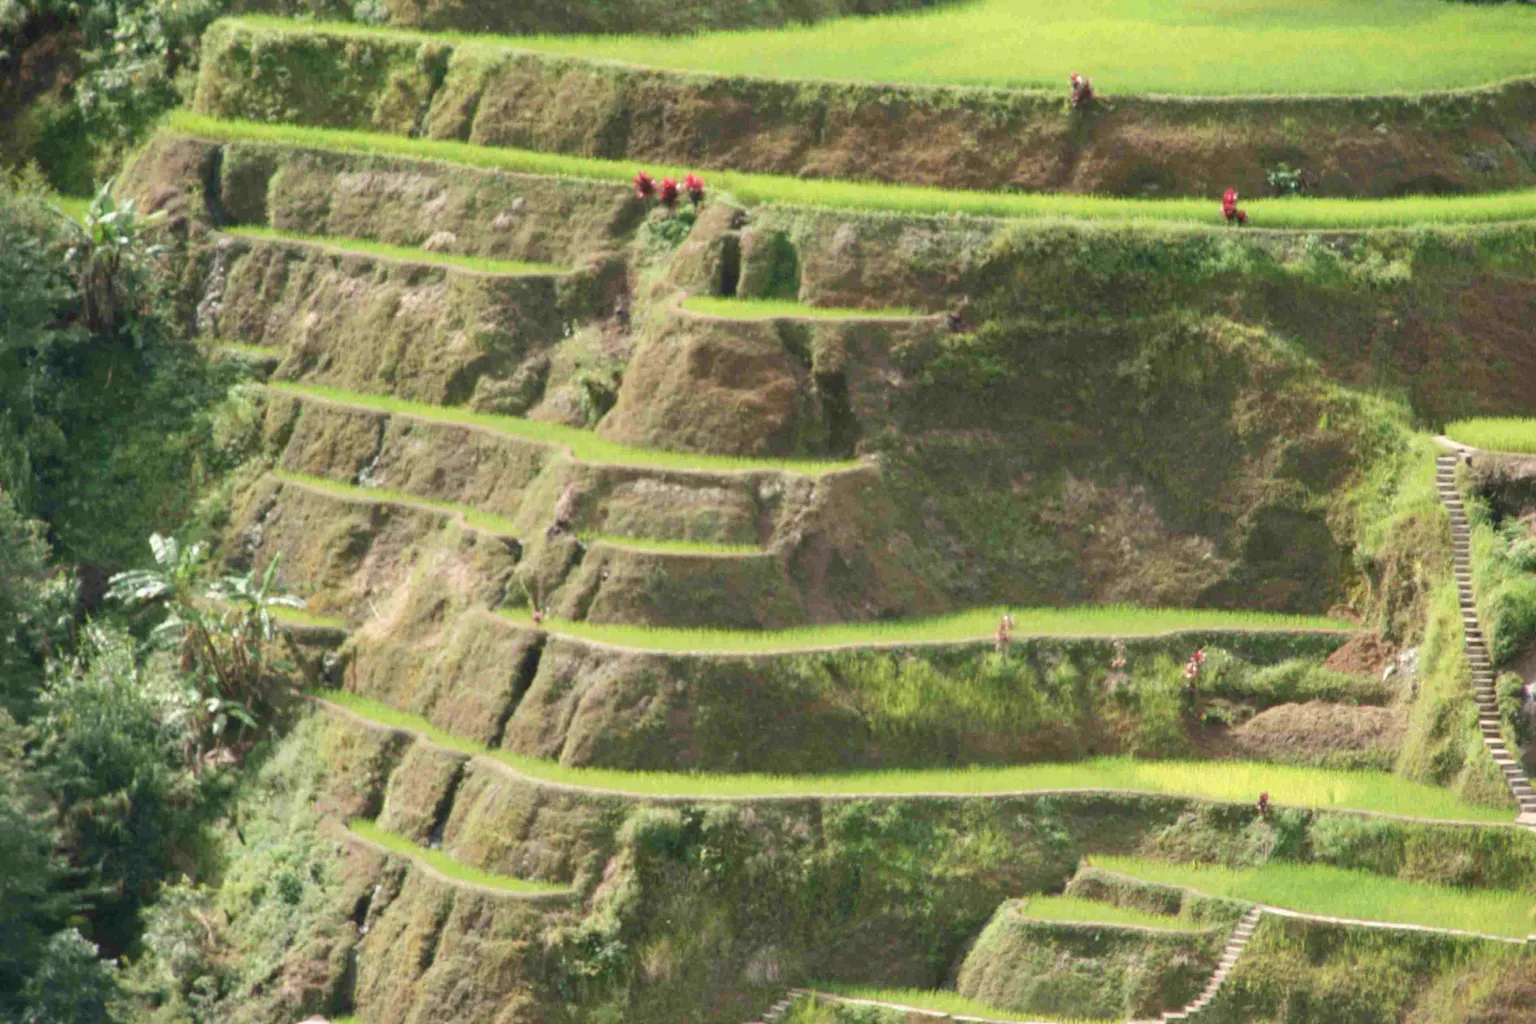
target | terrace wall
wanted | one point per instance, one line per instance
(1473, 140)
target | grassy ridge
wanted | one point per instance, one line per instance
(978, 624)
(583, 444)
(1236, 781)
(942, 1001)
(1336, 892)
(1224, 47)
(672, 547)
(908, 199)
(1070, 909)
(303, 619)
(446, 865)
(351, 492)
(1496, 434)
(770, 309)
(480, 264)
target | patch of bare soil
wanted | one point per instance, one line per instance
(1316, 732)
(1365, 654)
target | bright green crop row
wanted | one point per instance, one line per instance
(978, 624)
(1235, 781)
(908, 199)
(1507, 434)
(1223, 47)
(1336, 892)
(446, 865)
(583, 444)
(480, 264)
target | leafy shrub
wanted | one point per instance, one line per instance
(1285, 180)
(1298, 680)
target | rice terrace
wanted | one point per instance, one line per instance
(774, 512)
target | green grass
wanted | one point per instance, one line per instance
(1224, 47)
(1071, 910)
(583, 444)
(481, 264)
(446, 865)
(1506, 434)
(770, 309)
(1336, 892)
(73, 207)
(1236, 781)
(672, 547)
(908, 199)
(299, 617)
(945, 1002)
(350, 492)
(979, 624)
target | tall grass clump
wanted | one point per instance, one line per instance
(405, 254)
(1338, 892)
(583, 444)
(1234, 781)
(909, 199)
(1254, 47)
(445, 865)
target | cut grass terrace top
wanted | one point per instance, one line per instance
(445, 865)
(403, 254)
(975, 625)
(1290, 214)
(1224, 47)
(1336, 892)
(1509, 434)
(1070, 910)
(583, 444)
(1232, 781)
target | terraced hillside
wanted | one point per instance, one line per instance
(819, 601)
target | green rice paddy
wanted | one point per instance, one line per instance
(1224, 47)
(672, 547)
(306, 620)
(583, 444)
(908, 199)
(1336, 892)
(479, 264)
(1235, 781)
(779, 309)
(351, 492)
(1071, 910)
(942, 1001)
(446, 865)
(1506, 434)
(978, 624)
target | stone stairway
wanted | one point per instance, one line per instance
(1235, 945)
(775, 1012)
(1488, 719)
